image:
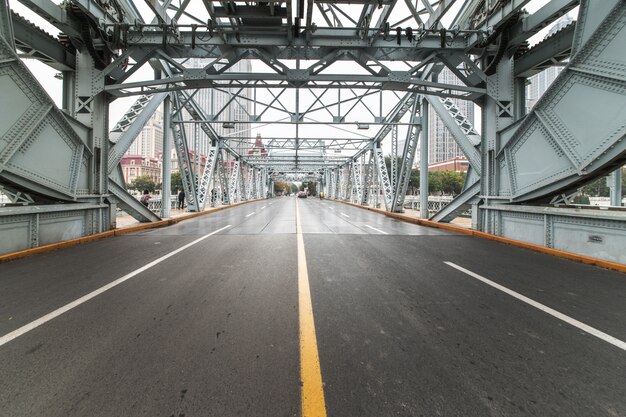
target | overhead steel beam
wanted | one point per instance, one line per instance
(555, 50)
(37, 44)
(6, 24)
(55, 15)
(530, 25)
(193, 78)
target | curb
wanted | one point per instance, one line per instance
(117, 232)
(588, 260)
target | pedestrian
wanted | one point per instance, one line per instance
(181, 199)
(145, 198)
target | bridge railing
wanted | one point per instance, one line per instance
(156, 204)
(435, 203)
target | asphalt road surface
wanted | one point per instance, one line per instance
(202, 318)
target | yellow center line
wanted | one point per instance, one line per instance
(312, 391)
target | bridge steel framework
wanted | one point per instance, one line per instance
(354, 66)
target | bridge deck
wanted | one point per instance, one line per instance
(213, 330)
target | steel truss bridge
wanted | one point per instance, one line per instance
(345, 81)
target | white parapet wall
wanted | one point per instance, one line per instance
(26, 227)
(599, 233)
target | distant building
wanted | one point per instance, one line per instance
(458, 164)
(442, 146)
(197, 163)
(212, 101)
(258, 149)
(134, 166)
(539, 83)
(149, 143)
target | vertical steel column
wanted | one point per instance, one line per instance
(357, 182)
(367, 179)
(184, 162)
(327, 180)
(330, 183)
(349, 182)
(224, 193)
(393, 179)
(424, 162)
(93, 113)
(204, 187)
(383, 176)
(497, 114)
(615, 187)
(167, 179)
(408, 155)
(249, 183)
(6, 24)
(234, 182)
(341, 183)
(264, 183)
(243, 179)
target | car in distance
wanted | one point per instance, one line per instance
(302, 194)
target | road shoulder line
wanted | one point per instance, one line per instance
(67, 307)
(588, 260)
(554, 313)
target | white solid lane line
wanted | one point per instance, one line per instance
(248, 215)
(56, 313)
(332, 208)
(378, 230)
(263, 207)
(567, 319)
(344, 214)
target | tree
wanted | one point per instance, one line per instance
(434, 182)
(446, 182)
(452, 182)
(311, 186)
(177, 181)
(414, 182)
(282, 187)
(142, 183)
(597, 188)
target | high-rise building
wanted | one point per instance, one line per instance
(539, 83)
(442, 146)
(149, 142)
(213, 102)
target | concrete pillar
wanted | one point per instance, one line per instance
(167, 179)
(424, 162)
